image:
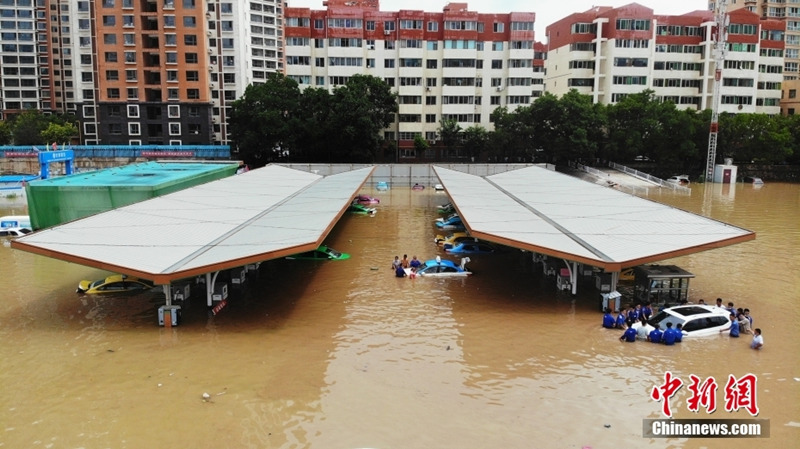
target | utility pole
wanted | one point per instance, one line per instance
(720, 36)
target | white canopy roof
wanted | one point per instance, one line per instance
(259, 215)
(562, 216)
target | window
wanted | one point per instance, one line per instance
(131, 75)
(112, 75)
(498, 27)
(110, 39)
(109, 21)
(112, 92)
(133, 111)
(174, 129)
(134, 129)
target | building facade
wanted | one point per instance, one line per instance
(166, 71)
(609, 53)
(455, 65)
(788, 12)
(137, 71)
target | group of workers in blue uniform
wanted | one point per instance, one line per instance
(741, 321)
(641, 313)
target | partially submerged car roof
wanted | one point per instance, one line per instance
(689, 310)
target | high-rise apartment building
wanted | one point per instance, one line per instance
(788, 12)
(609, 53)
(137, 71)
(454, 65)
(166, 71)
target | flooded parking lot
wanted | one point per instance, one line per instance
(342, 354)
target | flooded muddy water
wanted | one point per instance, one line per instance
(341, 354)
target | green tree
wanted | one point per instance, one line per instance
(420, 145)
(755, 137)
(476, 141)
(792, 123)
(315, 127)
(570, 128)
(6, 133)
(513, 133)
(264, 121)
(59, 133)
(450, 134)
(360, 111)
(28, 127)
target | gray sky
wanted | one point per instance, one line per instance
(547, 11)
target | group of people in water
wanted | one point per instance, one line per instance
(741, 322)
(401, 265)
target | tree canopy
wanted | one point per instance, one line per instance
(276, 121)
(32, 127)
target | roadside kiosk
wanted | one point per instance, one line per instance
(666, 285)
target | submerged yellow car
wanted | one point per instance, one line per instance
(117, 283)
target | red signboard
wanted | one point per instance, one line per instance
(20, 154)
(167, 153)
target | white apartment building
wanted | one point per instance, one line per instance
(455, 65)
(609, 53)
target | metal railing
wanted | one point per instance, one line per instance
(649, 178)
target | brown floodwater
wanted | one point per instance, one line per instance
(342, 354)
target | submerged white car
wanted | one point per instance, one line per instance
(697, 320)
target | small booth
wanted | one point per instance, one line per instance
(666, 285)
(725, 173)
(610, 301)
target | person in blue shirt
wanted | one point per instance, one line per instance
(620, 323)
(629, 335)
(679, 334)
(670, 336)
(734, 327)
(633, 313)
(608, 320)
(400, 272)
(415, 263)
(647, 311)
(655, 335)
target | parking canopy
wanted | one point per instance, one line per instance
(261, 214)
(551, 213)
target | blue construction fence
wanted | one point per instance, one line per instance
(125, 151)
